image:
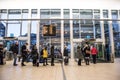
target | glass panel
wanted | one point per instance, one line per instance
(45, 13)
(55, 13)
(86, 14)
(3, 10)
(87, 25)
(75, 11)
(97, 30)
(14, 11)
(25, 10)
(14, 26)
(13, 29)
(24, 24)
(105, 13)
(3, 15)
(66, 13)
(34, 29)
(76, 32)
(96, 14)
(34, 11)
(2, 29)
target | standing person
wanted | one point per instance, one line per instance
(15, 52)
(45, 56)
(66, 60)
(24, 53)
(94, 53)
(87, 53)
(34, 54)
(107, 52)
(79, 55)
(52, 56)
(1, 54)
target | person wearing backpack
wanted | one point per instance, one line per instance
(87, 53)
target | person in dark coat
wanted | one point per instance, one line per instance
(24, 54)
(87, 53)
(15, 52)
(79, 55)
(66, 60)
(52, 56)
(1, 55)
(34, 54)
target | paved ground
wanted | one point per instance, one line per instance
(99, 71)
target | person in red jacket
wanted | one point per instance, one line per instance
(94, 53)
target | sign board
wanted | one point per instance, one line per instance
(49, 30)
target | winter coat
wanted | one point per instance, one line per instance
(66, 52)
(93, 51)
(79, 54)
(52, 52)
(45, 53)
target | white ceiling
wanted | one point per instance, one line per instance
(77, 4)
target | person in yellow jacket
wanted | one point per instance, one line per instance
(45, 56)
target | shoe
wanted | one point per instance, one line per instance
(47, 64)
(15, 64)
(44, 65)
(52, 64)
(23, 65)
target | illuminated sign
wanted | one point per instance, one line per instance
(49, 30)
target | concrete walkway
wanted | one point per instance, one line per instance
(99, 71)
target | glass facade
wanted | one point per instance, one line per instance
(2, 30)
(84, 27)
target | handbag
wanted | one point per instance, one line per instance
(87, 52)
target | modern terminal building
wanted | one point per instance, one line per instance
(76, 21)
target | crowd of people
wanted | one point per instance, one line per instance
(82, 53)
(85, 52)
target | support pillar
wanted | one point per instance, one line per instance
(102, 33)
(62, 32)
(6, 29)
(94, 34)
(38, 32)
(112, 52)
(29, 29)
(71, 35)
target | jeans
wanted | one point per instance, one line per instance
(15, 58)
